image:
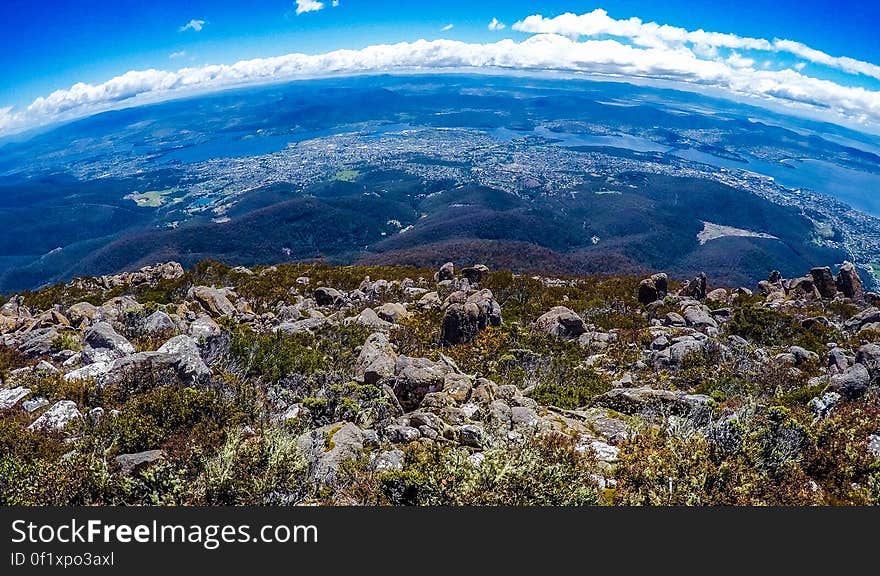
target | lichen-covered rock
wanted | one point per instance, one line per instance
(327, 447)
(57, 417)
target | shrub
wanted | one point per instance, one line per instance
(544, 470)
(153, 419)
(260, 470)
(769, 327)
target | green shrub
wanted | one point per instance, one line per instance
(543, 471)
(155, 418)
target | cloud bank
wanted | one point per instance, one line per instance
(624, 48)
(654, 35)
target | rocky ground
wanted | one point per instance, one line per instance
(357, 385)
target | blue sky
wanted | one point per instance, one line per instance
(52, 45)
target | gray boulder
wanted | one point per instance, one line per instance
(325, 449)
(849, 283)
(649, 402)
(446, 272)
(134, 463)
(392, 312)
(416, 377)
(824, 282)
(561, 322)
(214, 301)
(326, 296)
(102, 336)
(159, 323)
(869, 356)
(9, 397)
(475, 273)
(57, 417)
(852, 383)
(696, 288)
(376, 360)
(462, 321)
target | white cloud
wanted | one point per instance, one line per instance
(448, 27)
(654, 35)
(303, 6)
(178, 54)
(194, 25)
(737, 60)
(496, 25)
(335, 3)
(735, 76)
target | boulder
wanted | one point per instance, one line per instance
(88, 372)
(325, 296)
(9, 397)
(868, 355)
(699, 317)
(392, 312)
(561, 322)
(369, 319)
(849, 283)
(57, 417)
(446, 272)
(870, 315)
(462, 321)
(851, 383)
(717, 295)
(649, 402)
(102, 336)
(134, 463)
(475, 273)
(190, 365)
(416, 377)
(327, 447)
(39, 342)
(302, 326)
(695, 288)
(214, 301)
(377, 359)
(824, 282)
(159, 323)
(212, 341)
(178, 360)
(647, 291)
